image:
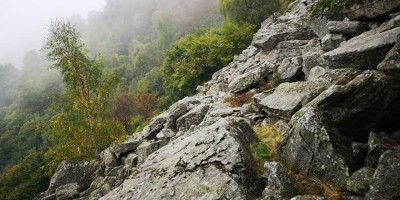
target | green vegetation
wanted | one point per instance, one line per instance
(265, 149)
(194, 58)
(330, 8)
(249, 11)
(80, 129)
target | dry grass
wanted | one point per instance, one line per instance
(270, 140)
(314, 186)
(239, 99)
(269, 135)
(273, 82)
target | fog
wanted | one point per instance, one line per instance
(23, 23)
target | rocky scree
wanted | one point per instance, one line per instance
(333, 89)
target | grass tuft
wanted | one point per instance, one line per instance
(265, 149)
(240, 99)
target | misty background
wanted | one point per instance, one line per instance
(24, 23)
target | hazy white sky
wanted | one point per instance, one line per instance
(23, 23)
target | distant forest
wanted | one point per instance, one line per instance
(135, 58)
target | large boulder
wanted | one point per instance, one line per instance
(360, 181)
(279, 184)
(267, 39)
(386, 180)
(377, 145)
(365, 51)
(332, 41)
(80, 173)
(373, 8)
(257, 74)
(311, 54)
(193, 118)
(212, 162)
(288, 98)
(315, 148)
(290, 69)
(361, 104)
(284, 50)
(348, 28)
(68, 191)
(148, 147)
(126, 147)
(392, 59)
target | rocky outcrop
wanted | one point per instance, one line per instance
(288, 98)
(365, 51)
(392, 59)
(386, 178)
(327, 86)
(213, 159)
(314, 147)
(279, 184)
(373, 8)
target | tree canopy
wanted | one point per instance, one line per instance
(80, 129)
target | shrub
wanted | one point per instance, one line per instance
(239, 99)
(265, 149)
(331, 7)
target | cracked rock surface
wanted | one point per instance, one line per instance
(330, 88)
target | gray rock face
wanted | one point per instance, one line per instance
(314, 147)
(386, 179)
(280, 184)
(373, 8)
(284, 49)
(70, 178)
(207, 162)
(319, 26)
(68, 191)
(353, 119)
(377, 145)
(311, 55)
(131, 160)
(392, 59)
(360, 181)
(148, 147)
(316, 73)
(291, 69)
(267, 39)
(363, 51)
(250, 78)
(348, 28)
(288, 98)
(109, 159)
(332, 41)
(126, 147)
(81, 172)
(193, 118)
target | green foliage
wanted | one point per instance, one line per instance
(24, 180)
(265, 149)
(248, 11)
(330, 8)
(194, 58)
(80, 129)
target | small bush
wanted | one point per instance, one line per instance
(330, 8)
(269, 135)
(239, 99)
(265, 149)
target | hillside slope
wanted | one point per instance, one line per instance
(331, 89)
